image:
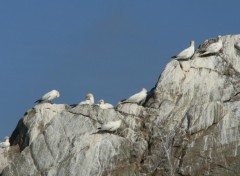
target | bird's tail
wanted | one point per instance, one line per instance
(100, 132)
(204, 54)
(38, 101)
(95, 132)
(122, 101)
(174, 57)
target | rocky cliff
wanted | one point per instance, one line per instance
(189, 125)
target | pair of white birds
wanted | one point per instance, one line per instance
(110, 126)
(89, 99)
(211, 49)
(5, 144)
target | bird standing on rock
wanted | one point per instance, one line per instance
(187, 53)
(136, 98)
(213, 48)
(89, 99)
(104, 105)
(109, 126)
(48, 97)
(5, 144)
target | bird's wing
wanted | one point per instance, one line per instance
(109, 105)
(47, 96)
(85, 102)
(82, 102)
(134, 97)
(183, 53)
(212, 47)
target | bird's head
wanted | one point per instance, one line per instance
(7, 138)
(144, 90)
(58, 94)
(192, 43)
(101, 101)
(89, 96)
(219, 37)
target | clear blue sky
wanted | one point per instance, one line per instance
(110, 48)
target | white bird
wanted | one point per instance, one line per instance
(214, 47)
(110, 126)
(186, 53)
(5, 144)
(89, 99)
(104, 105)
(49, 96)
(136, 98)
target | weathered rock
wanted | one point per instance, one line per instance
(189, 125)
(196, 130)
(3, 159)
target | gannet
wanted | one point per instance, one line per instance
(214, 47)
(187, 53)
(49, 96)
(5, 144)
(136, 98)
(89, 99)
(109, 126)
(104, 105)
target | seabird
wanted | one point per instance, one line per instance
(187, 53)
(104, 105)
(136, 98)
(49, 96)
(214, 47)
(5, 144)
(89, 99)
(109, 126)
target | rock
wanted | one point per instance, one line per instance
(196, 130)
(4, 159)
(189, 125)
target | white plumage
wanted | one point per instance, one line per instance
(186, 53)
(136, 98)
(214, 47)
(89, 99)
(49, 96)
(5, 144)
(104, 105)
(110, 126)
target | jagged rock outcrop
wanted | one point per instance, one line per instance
(189, 125)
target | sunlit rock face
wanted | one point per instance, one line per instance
(189, 125)
(197, 125)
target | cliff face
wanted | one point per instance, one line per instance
(189, 125)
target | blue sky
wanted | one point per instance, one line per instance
(110, 48)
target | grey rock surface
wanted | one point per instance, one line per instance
(3, 159)
(189, 125)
